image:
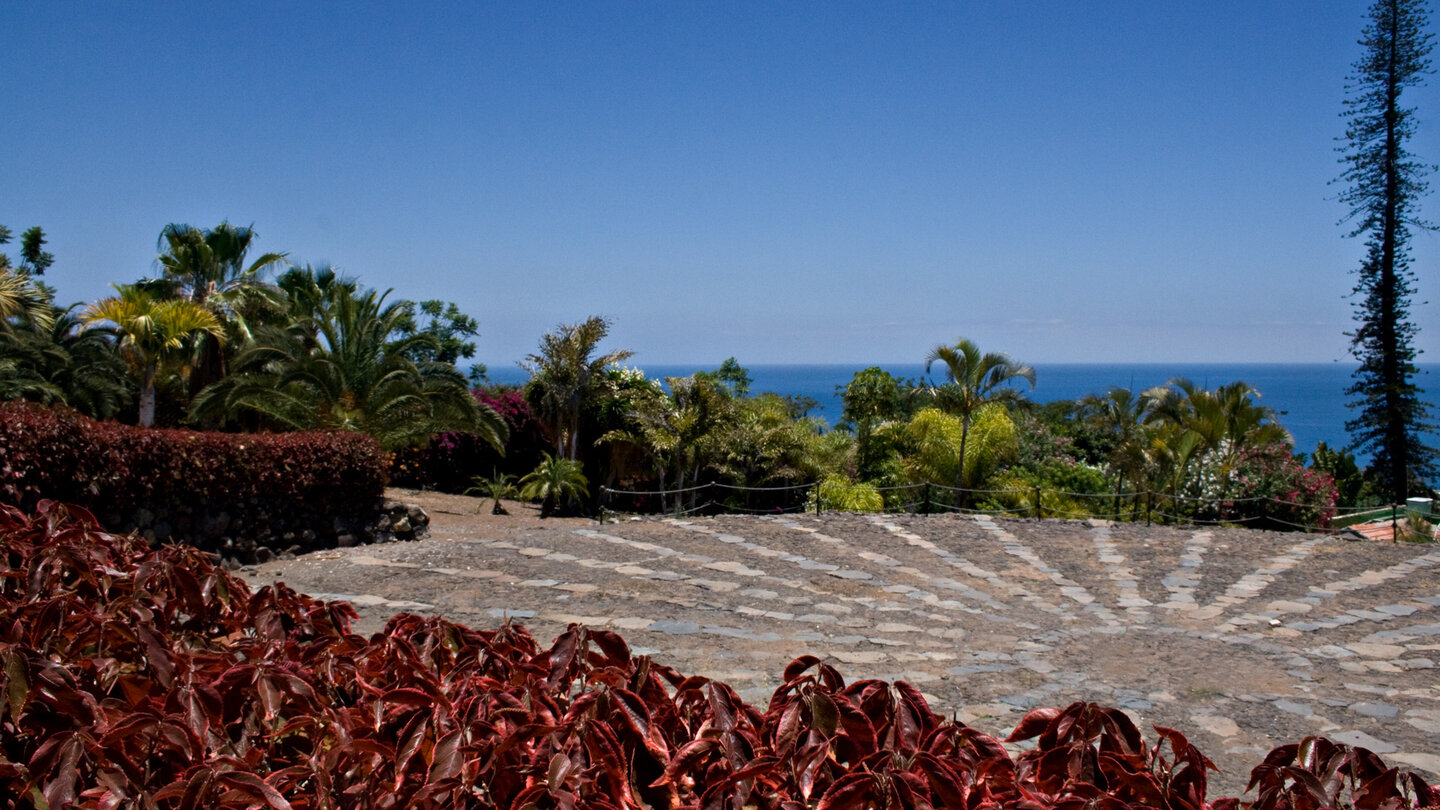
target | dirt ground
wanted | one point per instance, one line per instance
(1242, 640)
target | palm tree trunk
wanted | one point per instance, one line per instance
(147, 396)
(960, 499)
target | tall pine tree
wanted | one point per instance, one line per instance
(1385, 183)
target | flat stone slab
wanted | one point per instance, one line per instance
(1222, 727)
(1362, 740)
(1382, 711)
(673, 627)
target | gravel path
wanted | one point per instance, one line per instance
(1242, 640)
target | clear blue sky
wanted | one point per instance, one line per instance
(782, 182)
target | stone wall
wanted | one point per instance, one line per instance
(256, 531)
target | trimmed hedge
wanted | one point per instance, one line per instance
(187, 485)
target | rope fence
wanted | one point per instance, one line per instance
(1145, 505)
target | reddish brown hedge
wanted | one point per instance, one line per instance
(117, 470)
(140, 678)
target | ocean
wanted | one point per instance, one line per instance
(1309, 398)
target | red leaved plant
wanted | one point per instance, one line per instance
(154, 679)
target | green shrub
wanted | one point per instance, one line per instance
(839, 494)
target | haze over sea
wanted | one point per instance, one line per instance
(1309, 398)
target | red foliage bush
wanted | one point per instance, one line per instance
(114, 469)
(151, 678)
(449, 461)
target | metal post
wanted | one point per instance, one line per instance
(1147, 507)
(817, 497)
(1039, 510)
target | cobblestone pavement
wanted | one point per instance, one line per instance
(1243, 640)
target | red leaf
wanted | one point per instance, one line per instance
(617, 652)
(412, 736)
(685, 759)
(408, 697)
(17, 684)
(633, 711)
(1033, 723)
(447, 760)
(810, 759)
(788, 729)
(60, 790)
(797, 667)
(722, 705)
(946, 784)
(253, 786)
(849, 791)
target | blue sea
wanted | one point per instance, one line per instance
(1309, 398)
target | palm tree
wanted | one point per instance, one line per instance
(311, 291)
(563, 376)
(70, 362)
(554, 479)
(932, 436)
(209, 268)
(152, 332)
(22, 298)
(1121, 415)
(1171, 452)
(203, 265)
(497, 486)
(972, 380)
(1227, 417)
(343, 369)
(1226, 421)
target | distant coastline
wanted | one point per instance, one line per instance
(1309, 397)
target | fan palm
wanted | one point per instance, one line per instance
(973, 379)
(152, 332)
(209, 268)
(553, 480)
(22, 298)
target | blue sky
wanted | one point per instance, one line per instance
(793, 182)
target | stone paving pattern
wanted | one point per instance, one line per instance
(1243, 640)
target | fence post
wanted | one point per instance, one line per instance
(1147, 507)
(1039, 510)
(817, 497)
(1394, 529)
(604, 501)
(925, 505)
